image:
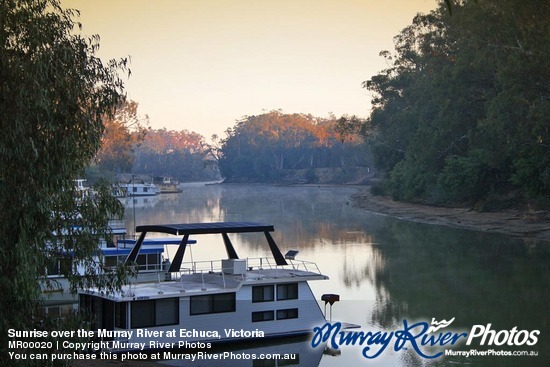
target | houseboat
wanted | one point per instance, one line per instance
(151, 262)
(167, 185)
(227, 300)
(135, 186)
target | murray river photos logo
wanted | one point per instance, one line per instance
(420, 337)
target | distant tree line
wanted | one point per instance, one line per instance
(462, 112)
(128, 145)
(263, 148)
(180, 154)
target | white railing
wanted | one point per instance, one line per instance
(252, 264)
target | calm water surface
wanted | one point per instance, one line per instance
(384, 270)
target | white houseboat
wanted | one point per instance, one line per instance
(232, 299)
(135, 186)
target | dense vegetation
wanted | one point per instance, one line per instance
(269, 147)
(53, 93)
(129, 146)
(461, 114)
(183, 155)
(123, 131)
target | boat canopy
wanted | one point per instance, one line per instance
(206, 228)
(127, 243)
(223, 228)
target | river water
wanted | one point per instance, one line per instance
(387, 272)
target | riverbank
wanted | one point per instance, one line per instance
(511, 222)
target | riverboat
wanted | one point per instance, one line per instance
(227, 300)
(167, 185)
(152, 264)
(135, 186)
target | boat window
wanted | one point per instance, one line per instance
(143, 314)
(263, 293)
(153, 261)
(66, 265)
(141, 261)
(59, 267)
(108, 309)
(160, 312)
(167, 311)
(263, 316)
(53, 268)
(224, 302)
(110, 261)
(291, 313)
(212, 303)
(85, 303)
(120, 315)
(97, 312)
(287, 291)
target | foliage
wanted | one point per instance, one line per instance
(261, 148)
(123, 132)
(180, 154)
(462, 111)
(53, 95)
(129, 146)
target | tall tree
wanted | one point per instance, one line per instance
(123, 132)
(54, 92)
(461, 114)
(181, 154)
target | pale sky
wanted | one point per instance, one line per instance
(200, 65)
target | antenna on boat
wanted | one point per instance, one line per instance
(133, 206)
(191, 254)
(158, 284)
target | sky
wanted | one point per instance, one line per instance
(202, 65)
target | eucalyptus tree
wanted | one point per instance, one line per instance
(461, 113)
(54, 92)
(123, 132)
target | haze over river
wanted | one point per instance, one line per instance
(385, 271)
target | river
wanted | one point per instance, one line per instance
(387, 272)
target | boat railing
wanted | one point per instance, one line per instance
(267, 263)
(117, 223)
(258, 264)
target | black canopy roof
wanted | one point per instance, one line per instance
(223, 228)
(206, 228)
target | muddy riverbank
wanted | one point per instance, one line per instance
(524, 224)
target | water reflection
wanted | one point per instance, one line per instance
(385, 270)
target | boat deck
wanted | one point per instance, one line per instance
(204, 282)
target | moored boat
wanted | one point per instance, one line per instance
(229, 300)
(167, 185)
(152, 264)
(135, 185)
